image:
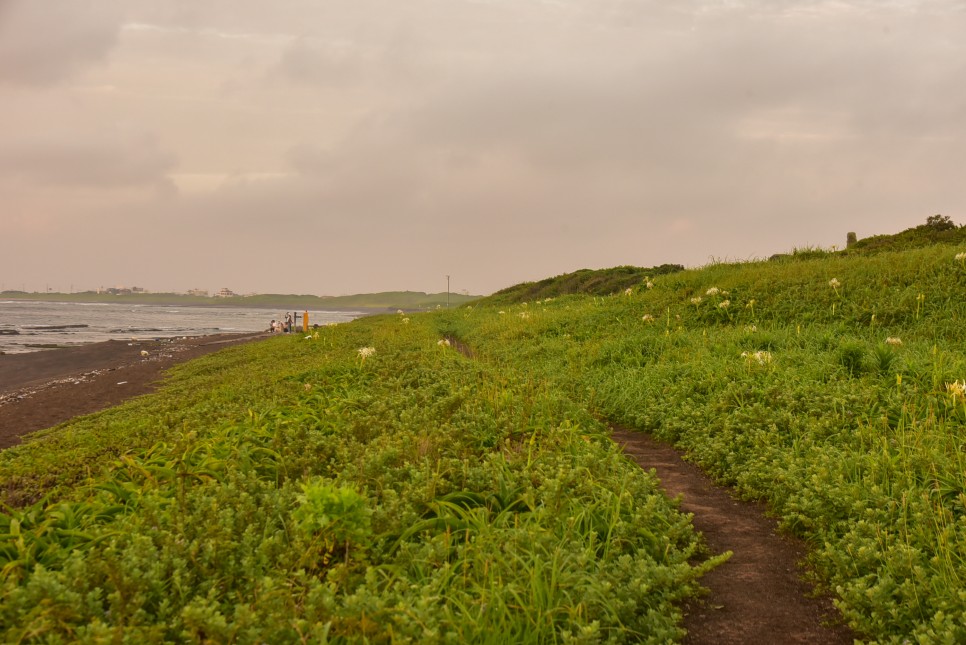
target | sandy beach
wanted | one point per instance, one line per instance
(42, 389)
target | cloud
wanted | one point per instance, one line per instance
(109, 160)
(493, 139)
(45, 42)
(318, 63)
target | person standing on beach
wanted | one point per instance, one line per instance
(288, 322)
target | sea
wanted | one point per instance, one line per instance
(30, 326)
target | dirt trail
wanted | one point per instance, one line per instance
(758, 596)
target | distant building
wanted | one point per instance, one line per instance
(203, 293)
(225, 292)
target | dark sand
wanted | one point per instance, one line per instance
(42, 389)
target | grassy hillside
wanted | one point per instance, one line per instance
(937, 229)
(364, 484)
(311, 488)
(600, 282)
(834, 389)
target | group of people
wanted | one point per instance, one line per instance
(284, 327)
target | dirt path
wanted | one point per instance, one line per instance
(758, 595)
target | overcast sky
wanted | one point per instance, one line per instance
(348, 146)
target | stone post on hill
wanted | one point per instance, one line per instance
(850, 239)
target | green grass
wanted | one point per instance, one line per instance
(600, 282)
(825, 387)
(291, 490)
(294, 490)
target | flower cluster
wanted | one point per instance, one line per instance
(761, 357)
(713, 291)
(893, 340)
(724, 304)
(957, 389)
(405, 321)
(961, 257)
(628, 291)
(696, 300)
(649, 284)
(366, 352)
(751, 328)
(647, 318)
(443, 342)
(834, 283)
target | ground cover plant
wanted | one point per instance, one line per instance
(373, 483)
(363, 483)
(833, 388)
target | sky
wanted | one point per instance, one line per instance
(351, 146)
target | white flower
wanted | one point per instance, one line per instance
(524, 315)
(405, 321)
(892, 340)
(628, 291)
(399, 311)
(649, 284)
(647, 318)
(751, 328)
(761, 357)
(444, 342)
(366, 352)
(724, 304)
(961, 257)
(502, 313)
(696, 300)
(713, 291)
(834, 283)
(957, 389)
(309, 337)
(751, 303)
(548, 299)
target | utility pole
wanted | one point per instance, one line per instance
(447, 292)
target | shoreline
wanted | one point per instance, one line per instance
(378, 303)
(42, 389)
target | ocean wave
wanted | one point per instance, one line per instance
(166, 330)
(53, 327)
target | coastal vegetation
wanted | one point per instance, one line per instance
(447, 476)
(599, 282)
